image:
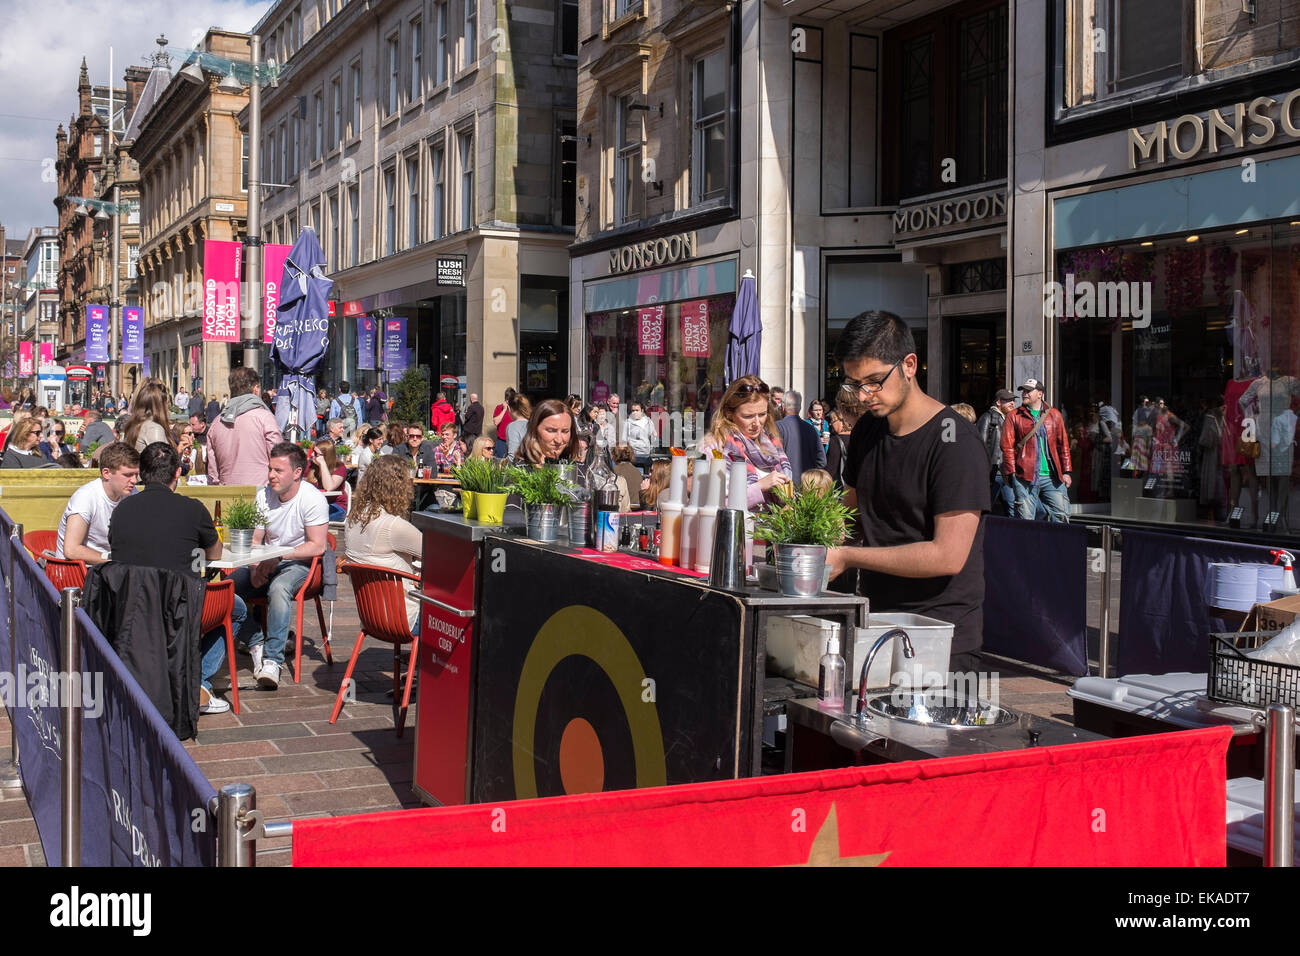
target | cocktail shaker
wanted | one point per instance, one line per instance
(727, 565)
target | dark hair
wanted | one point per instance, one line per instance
(287, 449)
(117, 455)
(159, 463)
(520, 407)
(371, 434)
(343, 387)
(622, 453)
(877, 335)
(242, 380)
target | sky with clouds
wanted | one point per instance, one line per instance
(41, 47)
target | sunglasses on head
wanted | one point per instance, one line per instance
(748, 389)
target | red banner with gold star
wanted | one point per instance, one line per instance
(1138, 801)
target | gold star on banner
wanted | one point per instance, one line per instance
(825, 849)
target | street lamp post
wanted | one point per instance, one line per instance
(253, 320)
(115, 306)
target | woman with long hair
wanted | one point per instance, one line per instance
(501, 419)
(521, 409)
(53, 447)
(395, 438)
(743, 428)
(327, 473)
(550, 435)
(817, 419)
(150, 416)
(657, 483)
(378, 529)
(371, 441)
(193, 460)
(22, 450)
(482, 448)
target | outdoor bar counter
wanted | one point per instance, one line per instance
(546, 669)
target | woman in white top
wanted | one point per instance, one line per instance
(149, 416)
(377, 529)
(371, 441)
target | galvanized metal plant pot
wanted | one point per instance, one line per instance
(800, 569)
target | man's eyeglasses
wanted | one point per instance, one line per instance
(857, 388)
(414, 435)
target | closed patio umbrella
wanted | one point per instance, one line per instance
(745, 334)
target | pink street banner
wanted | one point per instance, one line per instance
(24, 359)
(47, 353)
(221, 262)
(96, 333)
(132, 334)
(273, 256)
(695, 328)
(650, 330)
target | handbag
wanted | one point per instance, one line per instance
(1247, 449)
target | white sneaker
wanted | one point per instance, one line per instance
(269, 675)
(255, 651)
(211, 704)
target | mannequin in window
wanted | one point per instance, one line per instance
(1271, 395)
(1241, 468)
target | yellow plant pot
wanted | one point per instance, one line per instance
(491, 508)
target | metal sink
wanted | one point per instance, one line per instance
(940, 710)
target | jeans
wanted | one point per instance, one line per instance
(499, 448)
(279, 591)
(336, 512)
(213, 644)
(1045, 489)
(1003, 497)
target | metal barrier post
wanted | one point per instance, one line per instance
(1279, 786)
(70, 711)
(1103, 643)
(236, 803)
(10, 779)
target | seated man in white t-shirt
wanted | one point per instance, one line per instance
(297, 516)
(83, 529)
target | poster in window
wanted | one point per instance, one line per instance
(695, 328)
(650, 330)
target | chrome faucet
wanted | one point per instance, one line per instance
(881, 641)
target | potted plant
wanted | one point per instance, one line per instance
(800, 527)
(242, 517)
(544, 491)
(483, 489)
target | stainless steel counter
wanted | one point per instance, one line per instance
(453, 523)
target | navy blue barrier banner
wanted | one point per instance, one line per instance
(6, 529)
(35, 708)
(144, 802)
(1037, 611)
(1163, 620)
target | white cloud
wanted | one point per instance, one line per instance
(41, 47)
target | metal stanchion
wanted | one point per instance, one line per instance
(1103, 643)
(1279, 786)
(70, 712)
(10, 779)
(235, 805)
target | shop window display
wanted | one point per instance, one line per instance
(1176, 361)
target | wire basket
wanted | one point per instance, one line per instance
(1237, 679)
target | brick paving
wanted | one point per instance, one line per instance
(302, 766)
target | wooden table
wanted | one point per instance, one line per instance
(230, 560)
(424, 488)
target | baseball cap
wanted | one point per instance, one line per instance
(1031, 383)
(1005, 396)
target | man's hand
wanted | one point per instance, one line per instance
(1067, 480)
(262, 572)
(835, 560)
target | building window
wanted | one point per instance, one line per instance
(468, 217)
(99, 144)
(709, 107)
(336, 111)
(566, 38)
(394, 72)
(354, 228)
(354, 81)
(417, 59)
(470, 34)
(861, 117)
(1146, 42)
(295, 131)
(268, 157)
(335, 261)
(982, 97)
(624, 7)
(629, 193)
(318, 128)
(916, 117)
(412, 200)
(440, 43)
(566, 171)
(986, 275)
(438, 158)
(284, 152)
(315, 219)
(390, 211)
(243, 163)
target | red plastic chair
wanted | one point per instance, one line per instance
(38, 541)
(311, 590)
(381, 606)
(65, 574)
(218, 604)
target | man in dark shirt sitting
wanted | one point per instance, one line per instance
(417, 447)
(162, 529)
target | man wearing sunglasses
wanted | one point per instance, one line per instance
(918, 477)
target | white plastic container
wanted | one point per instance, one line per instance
(931, 640)
(795, 644)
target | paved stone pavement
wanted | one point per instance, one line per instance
(302, 766)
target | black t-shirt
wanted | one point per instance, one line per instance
(902, 482)
(158, 528)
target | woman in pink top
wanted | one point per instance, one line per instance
(502, 418)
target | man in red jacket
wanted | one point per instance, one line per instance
(441, 412)
(1036, 455)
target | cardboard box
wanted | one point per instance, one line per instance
(1272, 616)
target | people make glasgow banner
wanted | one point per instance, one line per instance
(274, 255)
(221, 261)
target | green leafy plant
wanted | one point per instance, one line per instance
(809, 516)
(540, 486)
(481, 476)
(410, 397)
(244, 514)
(342, 450)
(92, 448)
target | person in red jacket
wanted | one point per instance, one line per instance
(1036, 455)
(441, 413)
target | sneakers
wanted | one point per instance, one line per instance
(209, 704)
(255, 652)
(268, 675)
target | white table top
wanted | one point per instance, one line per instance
(230, 560)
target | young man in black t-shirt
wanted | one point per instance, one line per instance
(918, 476)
